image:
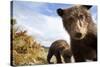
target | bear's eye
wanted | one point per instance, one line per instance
(81, 17)
(70, 18)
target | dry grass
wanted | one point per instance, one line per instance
(26, 51)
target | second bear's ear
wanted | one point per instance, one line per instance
(60, 12)
(87, 6)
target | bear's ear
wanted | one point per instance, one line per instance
(60, 12)
(87, 6)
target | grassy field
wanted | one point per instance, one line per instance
(26, 50)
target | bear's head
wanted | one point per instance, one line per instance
(76, 20)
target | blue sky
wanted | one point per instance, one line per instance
(42, 21)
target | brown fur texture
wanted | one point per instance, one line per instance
(78, 23)
(60, 48)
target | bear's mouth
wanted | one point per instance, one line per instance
(78, 37)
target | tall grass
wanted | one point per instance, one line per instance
(26, 50)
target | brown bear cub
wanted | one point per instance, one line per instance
(60, 48)
(78, 22)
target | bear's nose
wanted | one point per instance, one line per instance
(78, 35)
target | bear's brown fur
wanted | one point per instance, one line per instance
(78, 23)
(60, 48)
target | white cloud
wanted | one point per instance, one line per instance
(43, 27)
(53, 30)
(30, 30)
(94, 17)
